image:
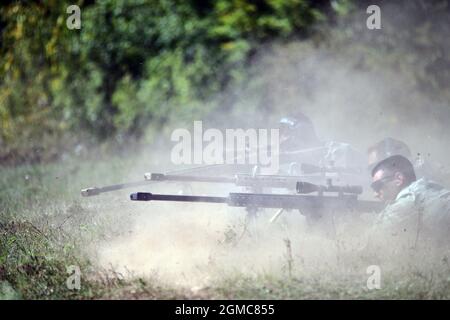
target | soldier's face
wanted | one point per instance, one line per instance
(386, 186)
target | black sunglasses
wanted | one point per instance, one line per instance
(379, 184)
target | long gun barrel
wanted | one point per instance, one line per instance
(154, 177)
(346, 198)
(260, 200)
(243, 180)
(93, 191)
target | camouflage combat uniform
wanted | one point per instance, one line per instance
(423, 167)
(419, 218)
(431, 170)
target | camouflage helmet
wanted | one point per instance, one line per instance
(386, 148)
(297, 129)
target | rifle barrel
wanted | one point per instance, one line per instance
(183, 178)
(261, 200)
(155, 177)
(93, 191)
(243, 180)
(147, 196)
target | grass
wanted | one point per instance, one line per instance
(45, 227)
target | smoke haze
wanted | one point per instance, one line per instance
(195, 244)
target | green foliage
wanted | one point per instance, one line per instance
(133, 63)
(139, 64)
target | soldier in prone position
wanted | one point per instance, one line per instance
(422, 167)
(299, 144)
(417, 213)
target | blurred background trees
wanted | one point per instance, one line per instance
(136, 66)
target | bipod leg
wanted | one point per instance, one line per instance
(250, 219)
(276, 215)
(252, 213)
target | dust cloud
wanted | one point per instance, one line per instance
(197, 244)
